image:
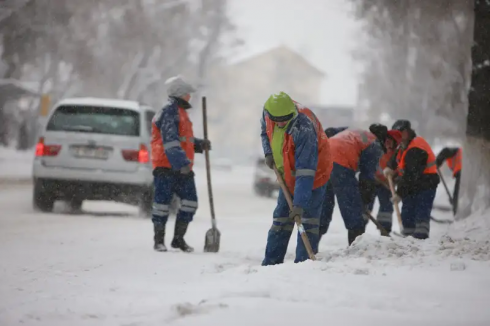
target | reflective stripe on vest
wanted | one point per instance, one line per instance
(429, 165)
(185, 141)
(418, 142)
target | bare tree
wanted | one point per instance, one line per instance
(417, 62)
(476, 172)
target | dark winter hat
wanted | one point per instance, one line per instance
(402, 125)
(332, 131)
(379, 130)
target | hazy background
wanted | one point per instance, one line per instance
(353, 62)
(324, 32)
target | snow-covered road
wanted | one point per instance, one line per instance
(99, 268)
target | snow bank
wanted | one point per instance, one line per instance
(372, 249)
(476, 227)
(16, 165)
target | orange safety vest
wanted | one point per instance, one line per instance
(324, 165)
(418, 142)
(383, 162)
(455, 163)
(186, 138)
(348, 145)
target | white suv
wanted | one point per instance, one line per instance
(94, 149)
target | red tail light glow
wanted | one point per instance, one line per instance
(46, 150)
(141, 156)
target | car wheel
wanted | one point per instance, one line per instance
(42, 200)
(146, 203)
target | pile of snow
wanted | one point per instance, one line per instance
(372, 249)
(475, 227)
(15, 164)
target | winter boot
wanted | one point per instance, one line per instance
(159, 238)
(178, 242)
(353, 234)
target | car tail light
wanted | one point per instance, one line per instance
(132, 155)
(43, 149)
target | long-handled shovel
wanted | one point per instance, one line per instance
(445, 186)
(297, 219)
(395, 205)
(432, 218)
(378, 225)
(212, 239)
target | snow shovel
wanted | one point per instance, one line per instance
(442, 208)
(297, 219)
(378, 225)
(212, 239)
(445, 186)
(395, 205)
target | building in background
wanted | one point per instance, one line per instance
(334, 116)
(238, 91)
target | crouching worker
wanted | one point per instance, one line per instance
(454, 159)
(294, 142)
(352, 151)
(172, 150)
(389, 140)
(417, 182)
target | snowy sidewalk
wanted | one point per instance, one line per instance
(98, 268)
(15, 166)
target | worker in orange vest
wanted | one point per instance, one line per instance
(352, 150)
(415, 164)
(294, 142)
(389, 140)
(172, 151)
(454, 159)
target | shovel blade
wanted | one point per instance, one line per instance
(211, 242)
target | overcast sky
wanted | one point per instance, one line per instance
(322, 30)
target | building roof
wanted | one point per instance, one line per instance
(12, 89)
(251, 56)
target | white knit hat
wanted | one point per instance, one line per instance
(177, 87)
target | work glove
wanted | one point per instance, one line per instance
(296, 211)
(269, 161)
(387, 172)
(185, 170)
(395, 199)
(206, 144)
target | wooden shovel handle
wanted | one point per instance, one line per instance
(297, 219)
(395, 205)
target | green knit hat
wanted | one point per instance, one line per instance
(280, 107)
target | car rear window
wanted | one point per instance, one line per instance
(95, 119)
